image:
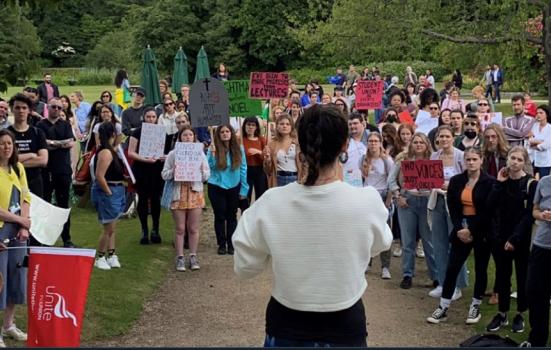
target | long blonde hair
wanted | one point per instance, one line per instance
(527, 163)
(425, 139)
(368, 158)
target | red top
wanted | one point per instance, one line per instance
(530, 109)
(259, 144)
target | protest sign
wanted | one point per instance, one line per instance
(425, 123)
(47, 220)
(266, 85)
(422, 174)
(56, 300)
(405, 118)
(353, 177)
(188, 160)
(208, 103)
(369, 94)
(240, 103)
(152, 140)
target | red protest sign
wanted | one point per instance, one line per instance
(56, 300)
(265, 85)
(422, 174)
(369, 94)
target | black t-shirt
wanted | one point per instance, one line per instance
(143, 170)
(344, 327)
(59, 159)
(30, 141)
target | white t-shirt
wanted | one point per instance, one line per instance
(118, 128)
(378, 174)
(318, 239)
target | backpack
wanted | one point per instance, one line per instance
(488, 341)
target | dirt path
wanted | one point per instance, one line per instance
(212, 307)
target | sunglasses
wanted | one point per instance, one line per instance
(56, 107)
(483, 104)
(105, 96)
(433, 108)
(391, 115)
(169, 104)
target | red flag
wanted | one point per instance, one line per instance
(57, 285)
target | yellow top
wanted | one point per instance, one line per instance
(7, 181)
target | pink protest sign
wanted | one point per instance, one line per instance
(265, 85)
(422, 174)
(369, 94)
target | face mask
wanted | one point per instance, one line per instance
(470, 134)
(391, 119)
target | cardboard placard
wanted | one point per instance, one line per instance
(422, 174)
(369, 94)
(152, 140)
(265, 85)
(208, 103)
(240, 103)
(188, 160)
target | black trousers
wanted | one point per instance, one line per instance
(504, 270)
(60, 186)
(150, 190)
(256, 178)
(538, 290)
(458, 255)
(224, 204)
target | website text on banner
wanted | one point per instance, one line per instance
(189, 157)
(369, 94)
(208, 103)
(423, 174)
(240, 103)
(152, 141)
(266, 85)
(56, 300)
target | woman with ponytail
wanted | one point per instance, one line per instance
(108, 194)
(274, 231)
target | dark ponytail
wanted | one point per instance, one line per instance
(322, 133)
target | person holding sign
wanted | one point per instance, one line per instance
(187, 200)
(281, 161)
(15, 223)
(227, 184)
(316, 299)
(108, 194)
(254, 145)
(442, 226)
(412, 212)
(149, 183)
(471, 221)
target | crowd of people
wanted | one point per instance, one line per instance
(315, 147)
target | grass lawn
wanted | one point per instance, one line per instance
(91, 93)
(116, 297)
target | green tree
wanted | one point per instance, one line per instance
(19, 45)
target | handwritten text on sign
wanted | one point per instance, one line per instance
(369, 94)
(422, 174)
(264, 85)
(240, 103)
(188, 160)
(209, 103)
(152, 140)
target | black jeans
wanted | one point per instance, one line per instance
(61, 185)
(504, 271)
(256, 177)
(459, 253)
(538, 290)
(224, 204)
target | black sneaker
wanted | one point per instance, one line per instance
(230, 250)
(406, 282)
(68, 244)
(155, 237)
(145, 238)
(518, 324)
(439, 315)
(474, 314)
(221, 250)
(497, 322)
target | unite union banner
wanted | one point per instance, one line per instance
(57, 285)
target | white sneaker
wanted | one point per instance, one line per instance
(397, 252)
(194, 263)
(436, 292)
(385, 274)
(457, 294)
(101, 263)
(514, 295)
(419, 251)
(113, 261)
(14, 332)
(2, 344)
(180, 264)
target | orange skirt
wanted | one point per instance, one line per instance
(189, 199)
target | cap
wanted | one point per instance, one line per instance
(139, 90)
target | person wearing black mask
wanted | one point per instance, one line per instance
(471, 129)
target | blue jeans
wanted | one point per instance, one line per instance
(413, 219)
(273, 342)
(543, 171)
(285, 180)
(441, 230)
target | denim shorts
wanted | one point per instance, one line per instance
(109, 208)
(285, 180)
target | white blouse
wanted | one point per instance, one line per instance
(541, 155)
